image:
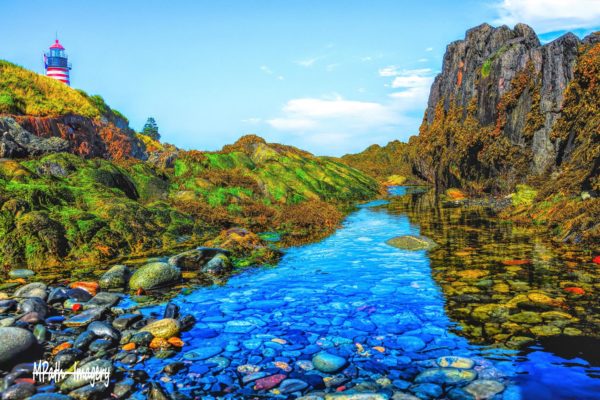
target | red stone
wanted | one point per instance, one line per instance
(596, 260)
(340, 389)
(575, 290)
(269, 382)
(25, 380)
(76, 307)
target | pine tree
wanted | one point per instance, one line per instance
(151, 129)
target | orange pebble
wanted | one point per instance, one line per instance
(341, 388)
(90, 287)
(175, 341)
(129, 347)
(60, 347)
(76, 307)
(379, 349)
(159, 343)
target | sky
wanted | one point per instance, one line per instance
(328, 76)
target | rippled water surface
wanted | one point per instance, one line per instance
(379, 308)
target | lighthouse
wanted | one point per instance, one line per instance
(56, 63)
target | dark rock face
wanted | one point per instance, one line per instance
(510, 81)
(16, 142)
(24, 136)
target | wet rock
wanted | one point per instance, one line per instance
(269, 382)
(123, 388)
(455, 362)
(125, 321)
(410, 242)
(115, 278)
(67, 357)
(19, 391)
(526, 317)
(14, 342)
(154, 275)
(83, 340)
(292, 385)
(410, 343)
(195, 259)
(171, 311)
(103, 299)
(328, 363)
(163, 328)
(484, 389)
(57, 295)
(427, 390)
(203, 353)
(79, 295)
(89, 392)
(33, 304)
(20, 273)
(545, 330)
(85, 318)
(173, 368)
(76, 381)
(446, 376)
(102, 329)
(35, 289)
(142, 338)
(218, 266)
(7, 305)
(157, 392)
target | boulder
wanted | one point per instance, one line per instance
(154, 275)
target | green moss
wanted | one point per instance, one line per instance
(524, 195)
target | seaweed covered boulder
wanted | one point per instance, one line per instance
(154, 275)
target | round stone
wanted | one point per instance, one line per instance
(13, 342)
(328, 363)
(484, 389)
(163, 328)
(154, 275)
(455, 362)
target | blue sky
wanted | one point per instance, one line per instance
(328, 76)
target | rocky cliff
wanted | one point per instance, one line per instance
(81, 124)
(494, 108)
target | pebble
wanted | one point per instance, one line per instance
(162, 328)
(484, 389)
(202, 353)
(328, 363)
(20, 273)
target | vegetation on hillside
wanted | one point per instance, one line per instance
(62, 208)
(389, 163)
(23, 92)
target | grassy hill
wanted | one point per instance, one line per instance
(62, 208)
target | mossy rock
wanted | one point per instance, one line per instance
(413, 243)
(154, 275)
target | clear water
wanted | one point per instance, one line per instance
(352, 293)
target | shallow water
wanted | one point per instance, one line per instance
(353, 295)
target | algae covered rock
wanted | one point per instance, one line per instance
(154, 275)
(411, 242)
(115, 278)
(163, 328)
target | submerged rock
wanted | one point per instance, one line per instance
(328, 363)
(484, 389)
(410, 242)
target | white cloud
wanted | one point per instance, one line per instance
(422, 60)
(266, 70)
(390, 70)
(429, 49)
(308, 62)
(411, 81)
(252, 120)
(550, 15)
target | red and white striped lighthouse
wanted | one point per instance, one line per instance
(56, 63)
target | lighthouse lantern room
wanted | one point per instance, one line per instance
(56, 63)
